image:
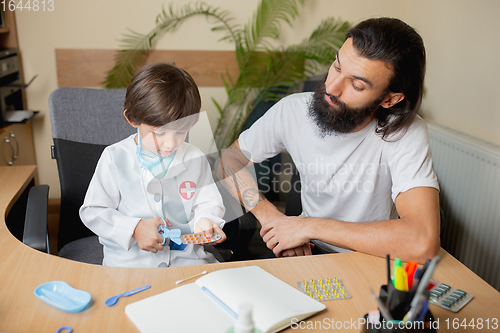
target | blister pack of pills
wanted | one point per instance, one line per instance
(325, 289)
(449, 298)
(199, 238)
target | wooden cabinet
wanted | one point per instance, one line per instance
(16, 139)
(17, 145)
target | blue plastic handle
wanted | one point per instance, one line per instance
(136, 290)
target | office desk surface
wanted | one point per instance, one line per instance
(22, 269)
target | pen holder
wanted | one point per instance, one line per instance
(398, 303)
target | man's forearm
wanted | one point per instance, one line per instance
(265, 211)
(234, 174)
(244, 188)
(414, 236)
(399, 237)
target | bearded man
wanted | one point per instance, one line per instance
(361, 151)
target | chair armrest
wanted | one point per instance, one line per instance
(35, 224)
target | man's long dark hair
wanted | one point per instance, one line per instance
(396, 43)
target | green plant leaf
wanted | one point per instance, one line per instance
(135, 46)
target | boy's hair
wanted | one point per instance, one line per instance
(395, 42)
(161, 93)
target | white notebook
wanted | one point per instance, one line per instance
(189, 309)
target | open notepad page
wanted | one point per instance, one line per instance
(275, 303)
(189, 309)
(183, 309)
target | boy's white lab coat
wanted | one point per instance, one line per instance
(121, 193)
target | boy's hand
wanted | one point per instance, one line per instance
(209, 227)
(147, 235)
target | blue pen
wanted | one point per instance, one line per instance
(425, 307)
(427, 263)
(218, 301)
(416, 278)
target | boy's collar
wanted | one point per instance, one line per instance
(177, 165)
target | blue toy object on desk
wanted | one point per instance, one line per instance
(173, 234)
(62, 296)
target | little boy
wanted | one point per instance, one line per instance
(154, 174)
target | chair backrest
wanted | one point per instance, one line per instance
(84, 121)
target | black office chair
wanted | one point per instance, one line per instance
(84, 121)
(293, 201)
(35, 233)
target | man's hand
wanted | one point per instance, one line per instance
(304, 250)
(147, 235)
(287, 233)
(208, 227)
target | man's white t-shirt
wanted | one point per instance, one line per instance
(352, 177)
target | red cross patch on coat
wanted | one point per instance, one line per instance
(187, 189)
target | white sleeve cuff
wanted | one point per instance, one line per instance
(419, 182)
(123, 231)
(214, 218)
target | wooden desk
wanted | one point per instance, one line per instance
(22, 269)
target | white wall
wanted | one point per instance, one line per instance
(463, 66)
(460, 38)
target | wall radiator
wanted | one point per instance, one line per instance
(468, 171)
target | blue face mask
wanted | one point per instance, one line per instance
(152, 161)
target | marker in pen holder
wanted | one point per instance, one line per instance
(398, 302)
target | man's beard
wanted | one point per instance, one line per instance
(339, 119)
